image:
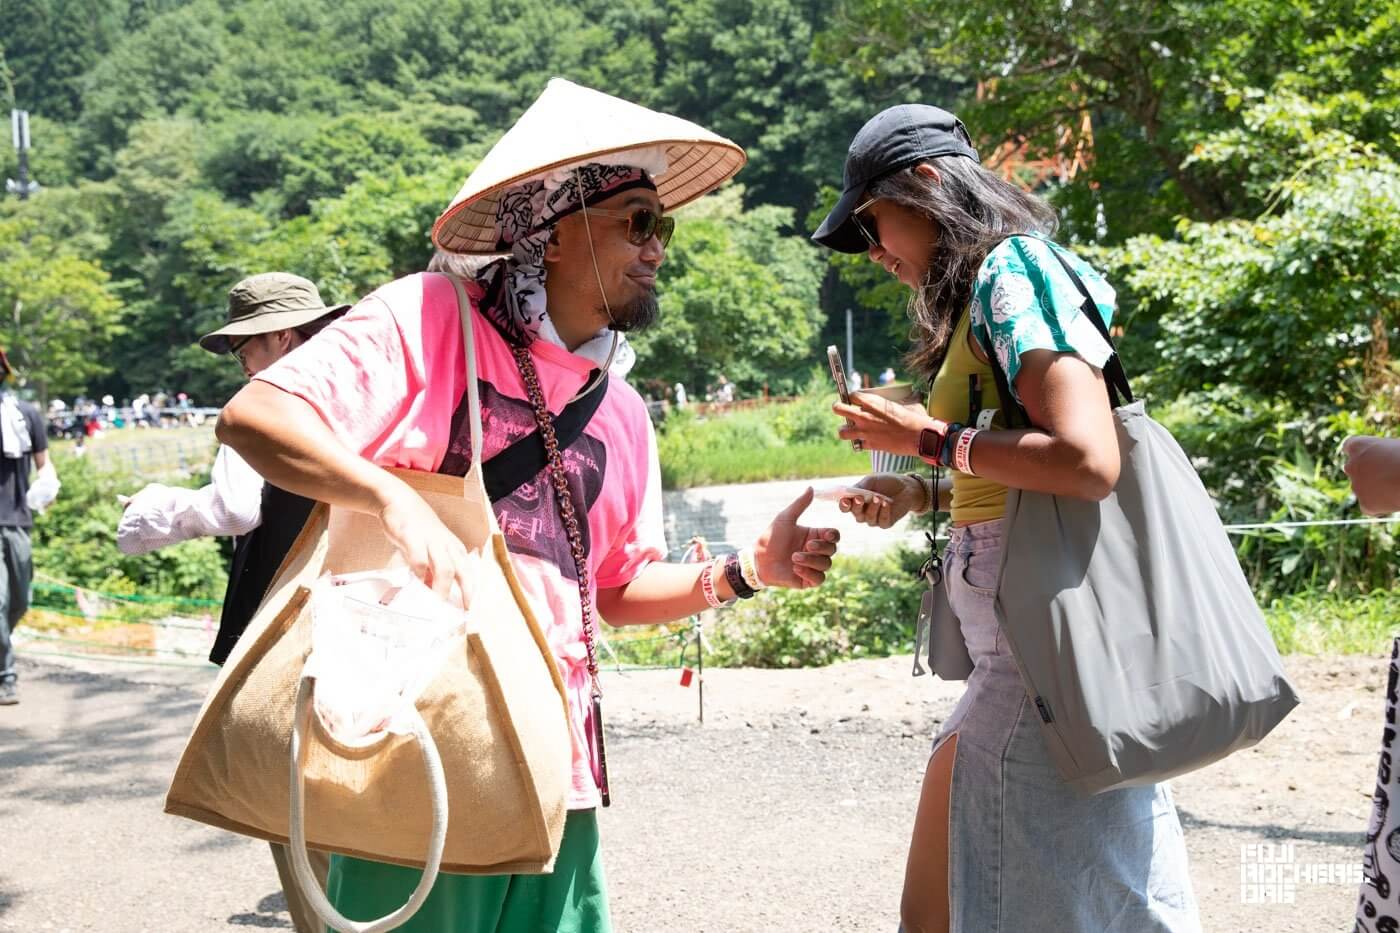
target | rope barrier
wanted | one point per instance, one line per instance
(1320, 523)
(55, 585)
(683, 639)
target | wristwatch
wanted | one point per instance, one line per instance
(950, 440)
(931, 444)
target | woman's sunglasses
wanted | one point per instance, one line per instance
(643, 223)
(866, 226)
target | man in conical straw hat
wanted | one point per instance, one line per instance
(576, 197)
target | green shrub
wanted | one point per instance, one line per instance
(866, 608)
(75, 541)
(807, 421)
(792, 440)
(1263, 461)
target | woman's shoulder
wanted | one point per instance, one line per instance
(1034, 261)
(1021, 253)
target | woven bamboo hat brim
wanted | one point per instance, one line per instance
(568, 125)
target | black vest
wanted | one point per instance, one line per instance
(256, 557)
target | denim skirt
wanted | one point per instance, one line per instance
(1025, 850)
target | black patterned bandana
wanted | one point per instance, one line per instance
(525, 217)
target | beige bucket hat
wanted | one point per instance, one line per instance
(261, 304)
(571, 125)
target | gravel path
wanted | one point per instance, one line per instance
(788, 810)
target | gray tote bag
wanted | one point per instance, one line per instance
(1137, 635)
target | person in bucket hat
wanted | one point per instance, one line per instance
(267, 313)
(574, 203)
(269, 316)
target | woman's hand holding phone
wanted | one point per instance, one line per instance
(881, 424)
(838, 375)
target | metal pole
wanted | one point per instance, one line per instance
(19, 134)
(850, 346)
(700, 663)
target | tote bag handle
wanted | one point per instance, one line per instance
(432, 760)
(301, 864)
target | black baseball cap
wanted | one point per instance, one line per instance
(894, 138)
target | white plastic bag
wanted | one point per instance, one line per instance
(377, 640)
(44, 490)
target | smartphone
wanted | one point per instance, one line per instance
(838, 373)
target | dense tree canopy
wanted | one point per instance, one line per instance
(215, 139)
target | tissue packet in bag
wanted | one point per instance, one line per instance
(378, 638)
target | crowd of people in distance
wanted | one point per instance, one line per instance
(87, 417)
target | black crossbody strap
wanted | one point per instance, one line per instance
(522, 461)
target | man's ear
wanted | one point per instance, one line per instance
(552, 249)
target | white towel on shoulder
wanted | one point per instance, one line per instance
(14, 429)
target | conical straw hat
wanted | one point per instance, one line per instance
(569, 124)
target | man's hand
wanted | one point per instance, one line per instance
(1373, 463)
(793, 555)
(434, 554)
(896, 495)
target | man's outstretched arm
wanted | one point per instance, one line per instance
(788, 554)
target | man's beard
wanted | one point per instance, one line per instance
(637, 315)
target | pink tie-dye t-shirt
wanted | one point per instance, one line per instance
(389, 379)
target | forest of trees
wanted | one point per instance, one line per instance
(1235, 174)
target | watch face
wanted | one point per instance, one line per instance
(929, 442)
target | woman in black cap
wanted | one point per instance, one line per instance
(1000, 841)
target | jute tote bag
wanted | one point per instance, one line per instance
(495, 714)
(1137, 636)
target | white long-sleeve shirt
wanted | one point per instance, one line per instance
(159, 515)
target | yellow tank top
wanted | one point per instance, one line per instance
(974, 499)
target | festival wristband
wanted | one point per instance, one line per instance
(962, 451)
(707, 585)
(734, 575)
(748, 565)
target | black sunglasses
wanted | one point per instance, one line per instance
(643, 223)
(235, 347)
(871, 234)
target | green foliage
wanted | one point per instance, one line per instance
(866, 608)
(738, 298)
(347, 147)
(55, 306)
(75, 541)
(1154, 77)
(1321, 623)
(1285, 303)
(794, 440)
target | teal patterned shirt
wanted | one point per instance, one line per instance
(1024, 300)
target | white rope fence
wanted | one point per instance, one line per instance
(1321, 523)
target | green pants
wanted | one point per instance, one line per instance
(573, 899)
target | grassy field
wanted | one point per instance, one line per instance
(148, 452)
